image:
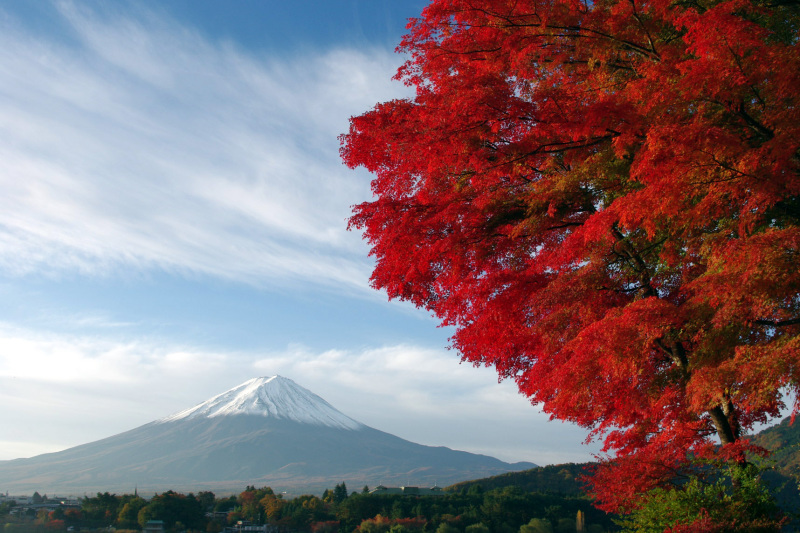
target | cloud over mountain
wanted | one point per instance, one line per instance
(267, 431)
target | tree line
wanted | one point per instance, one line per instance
(469, 510)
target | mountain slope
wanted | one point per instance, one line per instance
(783, 463)
(268, 431)
(561, 478)
(783, 441)
(782, 471)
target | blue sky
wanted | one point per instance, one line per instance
(173, 223)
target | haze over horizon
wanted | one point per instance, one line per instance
(267, 431)
(173, 223)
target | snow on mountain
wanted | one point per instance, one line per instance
(273, 397)
(267, 431)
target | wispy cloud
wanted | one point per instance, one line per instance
(129, 143)
(126, 147)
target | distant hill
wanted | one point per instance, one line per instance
(561, 479)
(783, 440)
(783, 476)
(267, 431)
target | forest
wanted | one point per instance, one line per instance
(467, 510)
(546, 499)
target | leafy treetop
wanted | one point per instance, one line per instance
(602, 198)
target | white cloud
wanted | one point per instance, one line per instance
(141, 145)
(138, 145)
(417, 393)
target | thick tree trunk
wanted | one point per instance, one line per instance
(726, 431)
(723, 415)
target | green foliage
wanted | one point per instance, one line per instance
(475, 490)
(565, 525)
(129, 514)
(537, 525)
(225, 504)
(498, 510)
(783, 442)
(172, 508)
(301, 512)
(250, 502)
(476, 528)
(340, 493)
(563, 479)
(736, 501)
(5, 507)
(382, 524)
(101, 509)
(379, 524)
(206, 499)
(398, 528)
(444, 527)
(782, 466)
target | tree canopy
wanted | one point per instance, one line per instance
(602, 199)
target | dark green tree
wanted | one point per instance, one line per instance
(206, 499)
(103, 507)
(339, 493)
(171, 508)
(225, 504)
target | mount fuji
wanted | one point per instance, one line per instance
(266, 431)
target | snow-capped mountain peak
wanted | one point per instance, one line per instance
(274, 397)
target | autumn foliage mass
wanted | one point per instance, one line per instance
(602, 199)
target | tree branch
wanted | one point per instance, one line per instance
(777, 323)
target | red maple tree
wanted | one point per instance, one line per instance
(602, 198)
